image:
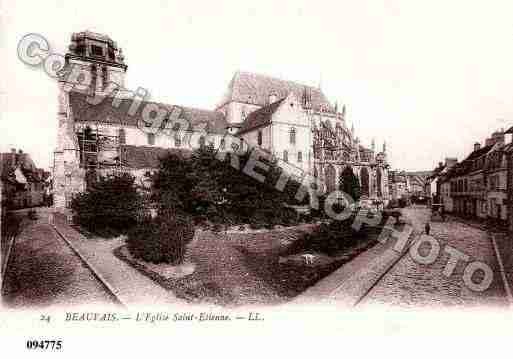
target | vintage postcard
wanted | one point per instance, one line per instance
(246, 176)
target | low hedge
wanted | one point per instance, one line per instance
(163, 239)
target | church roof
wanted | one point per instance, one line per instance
(260, 117)
(139, 157)
(251, 88)
(105, 112)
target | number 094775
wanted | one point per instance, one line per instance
(44, 344)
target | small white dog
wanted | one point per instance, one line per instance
(309, 258)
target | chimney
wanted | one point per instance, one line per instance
(13, 150)
(20, 152)
(477, 146)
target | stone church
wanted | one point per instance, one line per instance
(294, 122)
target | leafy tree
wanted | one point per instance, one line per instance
(349, 183)
(206, 186)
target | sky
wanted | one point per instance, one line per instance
(428, 77)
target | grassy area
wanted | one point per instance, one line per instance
(245, 268)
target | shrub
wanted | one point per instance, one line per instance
(32, 214)
(328, 238)
(217, 227)
(403, 202)
(393, 203)
(162, 239)
(111, 202)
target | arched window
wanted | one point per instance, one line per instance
(122, 136)
(285, 156)
(292, 136)
(259, 139)
(202, 141)
(330, 180)
(300, 156)
(178, 140)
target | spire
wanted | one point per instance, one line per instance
(306, 98)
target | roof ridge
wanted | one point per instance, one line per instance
(277, 79)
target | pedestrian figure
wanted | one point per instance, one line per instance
(427, 228)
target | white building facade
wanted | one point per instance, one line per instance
(294, 122)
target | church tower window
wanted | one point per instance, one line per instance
(292, 136)
(300, 156)
(285, 156)
(122, 136)
(151, 139)
(259, 139)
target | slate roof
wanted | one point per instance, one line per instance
(139, 157)
(509, 147)
(105, 112)
(478, 153)
(260, 117)
(251, 88)
(465, 166)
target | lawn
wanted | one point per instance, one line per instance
(245, 268)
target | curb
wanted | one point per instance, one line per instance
(110, 289)
(5, 264)
(502, 270)
(388, 268)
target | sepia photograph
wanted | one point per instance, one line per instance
(285, 168)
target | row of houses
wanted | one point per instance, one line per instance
(481, 185)
(403, 184)
(23, 184)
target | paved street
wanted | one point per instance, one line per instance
(411, 284)
(45, 272)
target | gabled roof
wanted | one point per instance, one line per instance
(465, 166)
(105, 112)
(251, 88)
(478, 153)
(508, 148)
(139, 157)
(260, 117)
